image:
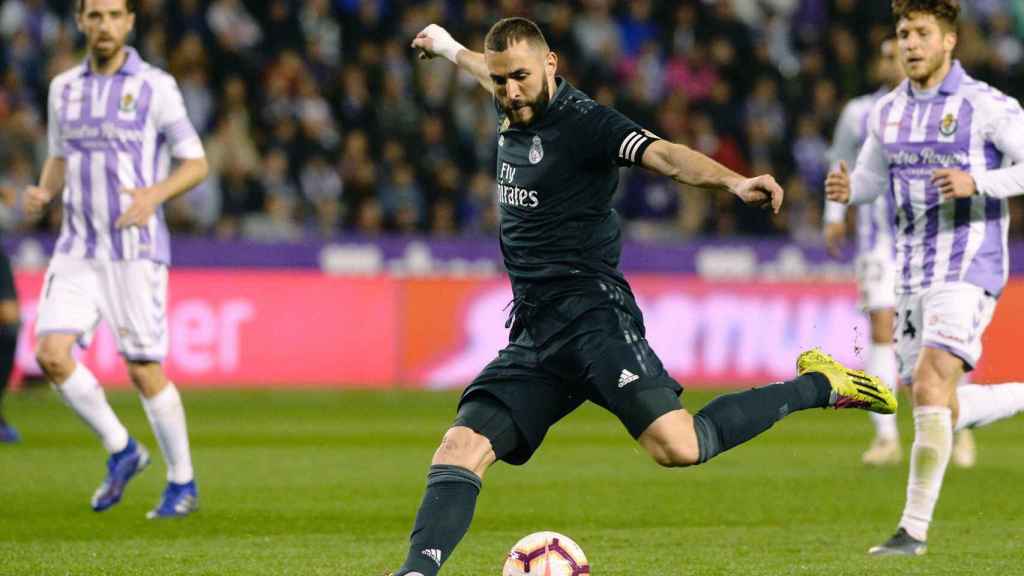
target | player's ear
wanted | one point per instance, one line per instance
(551, 63)
(949, 40)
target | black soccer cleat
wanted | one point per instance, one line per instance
(901, 544)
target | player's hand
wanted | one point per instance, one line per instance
(837, 185)
(36, 200)
(142, 208)
(835, 237)
(762, 192)
(954, 183)
(435, 41)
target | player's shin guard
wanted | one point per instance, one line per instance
(732, 419)
(881, 362)
(84, 395)
(929, 457)
(167, 418)
(442, 520)
(983, 405)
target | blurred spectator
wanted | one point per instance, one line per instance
(241, 195)
(637, 28)
(18, 176)
(299, 100)
(810, 152)
(322, 188)
(321, 30)
(597, 36)
(276, 223)
(234, 27)
(401, 200)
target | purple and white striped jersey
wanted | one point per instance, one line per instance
(116, 132)
(966, 125)
(874, 219)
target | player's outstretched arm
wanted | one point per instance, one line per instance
(690, 167)
(51, 182)
(436, 41)
(189, 173)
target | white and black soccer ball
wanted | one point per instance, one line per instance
(546, 554)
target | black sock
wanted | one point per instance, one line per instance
(8, 347)
(732, 419)
(443, 518)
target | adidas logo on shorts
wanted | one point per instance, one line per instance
(626, 377)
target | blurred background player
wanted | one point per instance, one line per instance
(10, 318)
(875, 266)
(115, 122)
(577, 333)
(948, 149)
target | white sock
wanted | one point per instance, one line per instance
(933, 444)
(983, 405)
(882, 363)
(84, 395)
(167, 417)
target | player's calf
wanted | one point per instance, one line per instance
(935, 378)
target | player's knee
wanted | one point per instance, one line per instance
(9, 312)
(148, 377)
(461, 446)
(54, 358)
(881, 326)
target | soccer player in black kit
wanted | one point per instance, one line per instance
(576, 331)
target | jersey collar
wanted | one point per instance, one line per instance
(554, 105)
(132, 64)
(950, 84)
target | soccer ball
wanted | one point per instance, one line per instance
(546, 554)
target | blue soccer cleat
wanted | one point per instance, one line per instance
(121, 468)
(8, 435)
(178, 500)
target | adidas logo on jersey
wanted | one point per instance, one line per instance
(626, 377)
(434, 554)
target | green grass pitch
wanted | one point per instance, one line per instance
(315, 482)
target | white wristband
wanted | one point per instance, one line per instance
(444, 44)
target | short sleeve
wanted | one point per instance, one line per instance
(608, 136)
(55, 143)
(173, 123)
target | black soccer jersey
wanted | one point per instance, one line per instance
(555, 182)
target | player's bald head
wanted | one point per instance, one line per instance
(509, 31)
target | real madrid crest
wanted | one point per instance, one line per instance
(949, 125)
(501, 140)
(536, 151)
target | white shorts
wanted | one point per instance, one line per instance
(876, 278)
(130, 295)
(950, 317)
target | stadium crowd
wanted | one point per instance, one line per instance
(318, 119)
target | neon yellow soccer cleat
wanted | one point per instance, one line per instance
(850, 388)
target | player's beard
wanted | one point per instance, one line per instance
(112, 47)
(930, 67)
(537, 107)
